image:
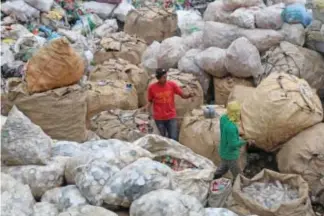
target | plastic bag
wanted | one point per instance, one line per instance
(244, 17)
(187, 65)
(191, 180)
(243, 59)
(212, 61)
(67, 149)
(135, 180)
(42, 5)
(7, 55)
(122, 10)
(64, 197)
(194, 40)
(187, 21)
(149, 57)
(92, 177)
(39, 178)
(296, 13)
(263, 39)
(103, 10)
(16, 198)
(109, 26)
(26, 46)
(231, 5)
(219, 34)
(220, 189)
(20, 9)
(166, 202)
(294, 33)
(45, 209)
(87, 210)
(215, 12)
(113, 151)
(270, 17)
(23, 142)
(171, 51)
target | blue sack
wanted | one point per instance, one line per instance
(296, 13)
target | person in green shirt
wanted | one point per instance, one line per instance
(230, 142)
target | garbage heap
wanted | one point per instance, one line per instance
(73, 82)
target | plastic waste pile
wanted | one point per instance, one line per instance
(272, 194)
(75, 73)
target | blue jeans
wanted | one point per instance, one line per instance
(168, 128)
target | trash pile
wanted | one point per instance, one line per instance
(75, 74)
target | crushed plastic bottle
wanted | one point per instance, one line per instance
(272, 194)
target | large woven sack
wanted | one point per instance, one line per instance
(53, 66)
(219, 34)
(87, 210)
(193, 173)
(202, 135)
(126, 125)
(188, 83)
(16, 198)
(297, 207)
(270, 17)
(294, 33)
(244, 17)
(219, 211)
(61, 113)
(23, 142)
(240, 93)
(115, 152)
(194, 40)
(149, 57)
(166, 202)
(263, 39)
(120, 45)
(110, 94)
(92, 177)
(215, 12)
(224, 86)
(279, 108)
(136, 180)
(243, 59)
(187, 64)
(212, 61)
(234, 4)
(64, 197)
(315, 40)
(151, 24)
(45, 209)
(304, 155)
(119, 69)
(171, 51)
(299, 61)
(39, 178)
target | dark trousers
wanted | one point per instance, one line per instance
(168, 128)
(226, 165)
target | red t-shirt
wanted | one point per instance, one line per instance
(162, 97)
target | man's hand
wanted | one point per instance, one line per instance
(251, 143)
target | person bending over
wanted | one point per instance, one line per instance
(230, 142)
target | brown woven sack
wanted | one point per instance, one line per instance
(224, 86)
(304, 155)
(53, 66)
(61, 113)
(151, 24)
(110, 94)
(126, 125)
(120, 45)
(279, 108)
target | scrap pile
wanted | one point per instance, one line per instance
(74, 75)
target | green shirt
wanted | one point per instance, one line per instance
(230, 142)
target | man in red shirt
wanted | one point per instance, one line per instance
(161, 96)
